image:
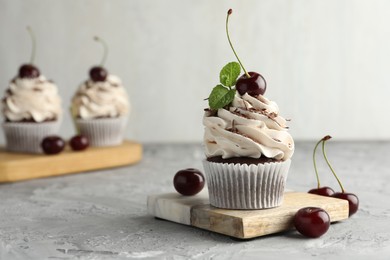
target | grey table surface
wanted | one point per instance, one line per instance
(102, 214)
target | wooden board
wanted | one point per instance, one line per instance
(17, 166)
(244, 224)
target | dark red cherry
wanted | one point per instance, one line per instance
(28, 71)
(312, 222)
(353, 201)
(79, 143)
(323, 191)
(52, 144)
(188, 182)
(254, 86)
(98, 73)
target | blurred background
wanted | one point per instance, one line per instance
(326, 62)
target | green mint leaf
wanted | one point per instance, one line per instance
(229, 74)
(221, 96)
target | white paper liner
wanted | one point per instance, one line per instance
(103, 131)
(25, 137)
(239, 186)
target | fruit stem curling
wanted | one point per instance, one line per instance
(315, 163)
(330, 166)
(105, 47)
(32, 36)
(230, 11)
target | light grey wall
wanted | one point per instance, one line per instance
(326, 61)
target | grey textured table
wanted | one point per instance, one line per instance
(102, 215)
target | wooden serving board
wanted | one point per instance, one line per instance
(18, 166)
(244, 224)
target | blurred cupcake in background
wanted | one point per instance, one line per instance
(31, 108)
(100, 107)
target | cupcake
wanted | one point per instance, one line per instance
(100, 108)
(247, 146)
(31, 108)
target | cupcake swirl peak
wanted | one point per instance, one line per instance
(31, 100)
(249, 127)
(101, 99)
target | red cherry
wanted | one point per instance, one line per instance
(188, 182)
(98, 73)
(52, 144)
(79, 143)
(254, 85)
(353, 201)
(323, 191)
(28, 71)
(312, 222)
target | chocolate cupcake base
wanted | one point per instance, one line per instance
(246, 186)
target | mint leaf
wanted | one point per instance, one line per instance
(229, 74)
(221, 96)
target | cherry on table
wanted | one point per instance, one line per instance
(312, 221)
(323, 191)
(254, 85)
(52, 144)
(353, 201)
(98, 73)
(79, 142)
(28, 71)
(188, 182)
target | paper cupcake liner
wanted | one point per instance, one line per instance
(26, 137)
(241, 186)
(103, 131)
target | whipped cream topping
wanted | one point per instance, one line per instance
(250, 127)
(101, 99)
(31, 99)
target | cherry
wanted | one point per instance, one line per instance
(252, 83)
(52, 144)
(188, 182)
(98, 73)
(79, 143)
(312, 222)
(29, 70)
(353, 200)
(323, 191)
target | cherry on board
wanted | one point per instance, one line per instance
(189, 182)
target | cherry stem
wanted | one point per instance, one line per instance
(330, 166)
(315, 164)
(32, 36)
(105, 47)
(230, 11)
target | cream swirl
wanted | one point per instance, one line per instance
(101, 99)
(31, 99)
(251, 127)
